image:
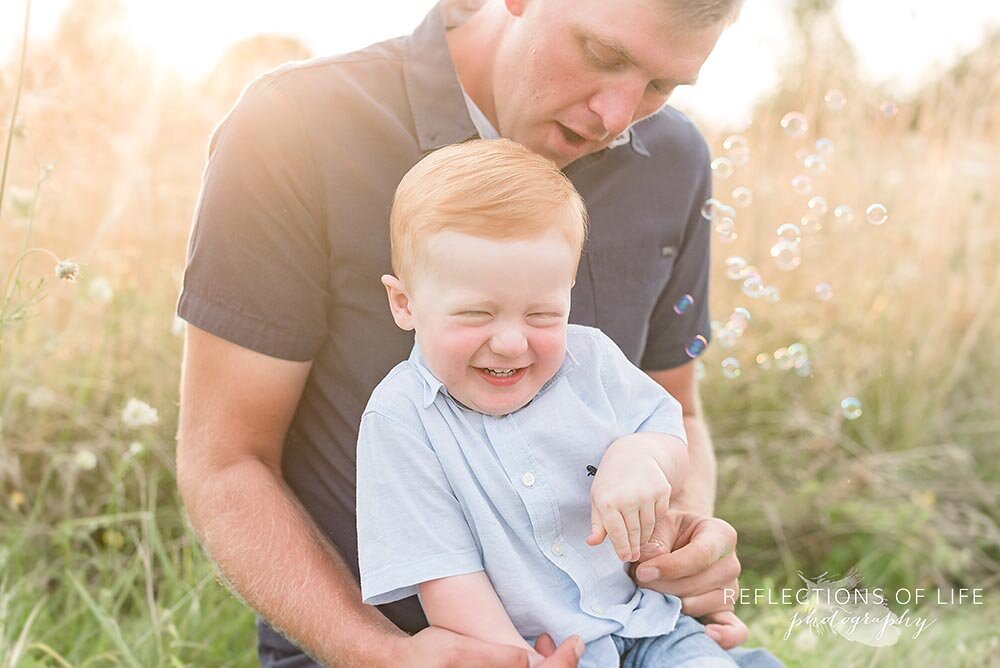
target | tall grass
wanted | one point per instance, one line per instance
(98, 567)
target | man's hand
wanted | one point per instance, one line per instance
(694, 558)
(435, 647)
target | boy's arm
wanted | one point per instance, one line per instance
(468, 604)
(668, 451)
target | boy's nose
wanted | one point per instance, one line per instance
(509, 343)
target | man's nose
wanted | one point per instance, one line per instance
(616, 105)
(509, 342)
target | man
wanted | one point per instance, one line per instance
(289, 327)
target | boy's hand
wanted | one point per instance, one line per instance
(629, 492)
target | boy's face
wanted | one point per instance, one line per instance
(490, 316)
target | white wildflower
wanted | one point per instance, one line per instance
(135, 448)
(41, 397)
(85, 460)
(100, 290)
(138, 413)
(67, 270)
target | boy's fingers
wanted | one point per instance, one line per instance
(662, 506)
(647, 518)
(634, 529)
(614, 524)
(597, 532)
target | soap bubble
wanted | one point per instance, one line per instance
(725, 211)
(810, 222)
(824, 146)
(710, 208)
(794, 124)
(723, 167)
(786, 255)
(803, 369)
(835, 99)
(753, 287)
(802, 184)
(850, 408)
(843, 214)
(731, 368)
(789, 233)
(683, 304)
(696, 346)
(824, 292)
(771, 294)
(726, 337)
(783, 359)
(888, 109)
(726, 229)
(814, 164)
(764, 360)
(818, 204)
(798, 351)
(876, 214)
(742, 197)
(735, 267)
(735, 143)
(737, 149)
(739, 320)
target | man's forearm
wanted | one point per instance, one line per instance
(275, 557)
(697, 494)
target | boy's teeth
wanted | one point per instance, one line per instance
(501, 372)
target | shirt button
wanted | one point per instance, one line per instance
(557, 549)
(598, 609)
(528, 479)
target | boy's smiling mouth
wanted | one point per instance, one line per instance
(501, 376)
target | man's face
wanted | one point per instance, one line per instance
(571, 75)
(480, 304)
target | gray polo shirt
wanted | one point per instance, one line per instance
(291, 236)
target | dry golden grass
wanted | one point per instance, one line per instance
(97, 565)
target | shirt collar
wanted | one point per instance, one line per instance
(439, 112)
(432, 386)
(443, 113)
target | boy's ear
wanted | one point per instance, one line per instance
(399, 302)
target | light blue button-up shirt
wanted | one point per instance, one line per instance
(444, 490)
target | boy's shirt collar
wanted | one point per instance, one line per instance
(432, 385)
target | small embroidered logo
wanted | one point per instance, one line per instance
(591, 470)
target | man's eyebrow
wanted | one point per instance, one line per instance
(623, 52)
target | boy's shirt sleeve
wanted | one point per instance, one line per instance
(639, 402)
(411, 527)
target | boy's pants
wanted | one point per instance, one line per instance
(687, 646)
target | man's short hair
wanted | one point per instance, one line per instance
(491, 189)
(698, 14)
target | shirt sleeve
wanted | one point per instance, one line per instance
(670, 333)
(411, 527)
(257, 265)
(639, 402)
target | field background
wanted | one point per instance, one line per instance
(97, 565)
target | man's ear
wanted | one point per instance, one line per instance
(399, 302)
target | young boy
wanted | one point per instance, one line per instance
(494, 462)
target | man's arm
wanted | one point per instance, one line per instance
(699, 562)
(235, 409)
(697, 495)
